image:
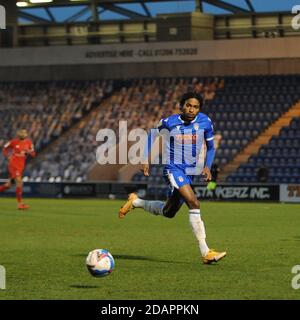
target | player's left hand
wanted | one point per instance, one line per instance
(206, 173)
(28, 152)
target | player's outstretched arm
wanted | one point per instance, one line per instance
(6, 149)
(210, 155)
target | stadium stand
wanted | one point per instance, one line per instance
(138, 101)
(247, 106)
(281, 158)
(45, 109)
(242, 110)
(240, 107)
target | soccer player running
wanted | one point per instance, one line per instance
(16, 152)
(185, 131)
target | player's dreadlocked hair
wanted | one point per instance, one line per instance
(190, 95)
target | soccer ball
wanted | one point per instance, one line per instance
(100, 263)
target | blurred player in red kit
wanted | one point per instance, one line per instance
(16, 152)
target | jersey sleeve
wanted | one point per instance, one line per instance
(209, 131)
(209, 139)
(162, 124)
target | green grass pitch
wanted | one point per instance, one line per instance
(44, 251)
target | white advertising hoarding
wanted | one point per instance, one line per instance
(290, 193)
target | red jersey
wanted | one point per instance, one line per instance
(19, 149)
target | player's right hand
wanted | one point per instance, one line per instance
(145, 170)
(206, 174)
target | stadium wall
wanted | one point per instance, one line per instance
(170, 59)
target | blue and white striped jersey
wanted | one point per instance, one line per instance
(183, 141)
